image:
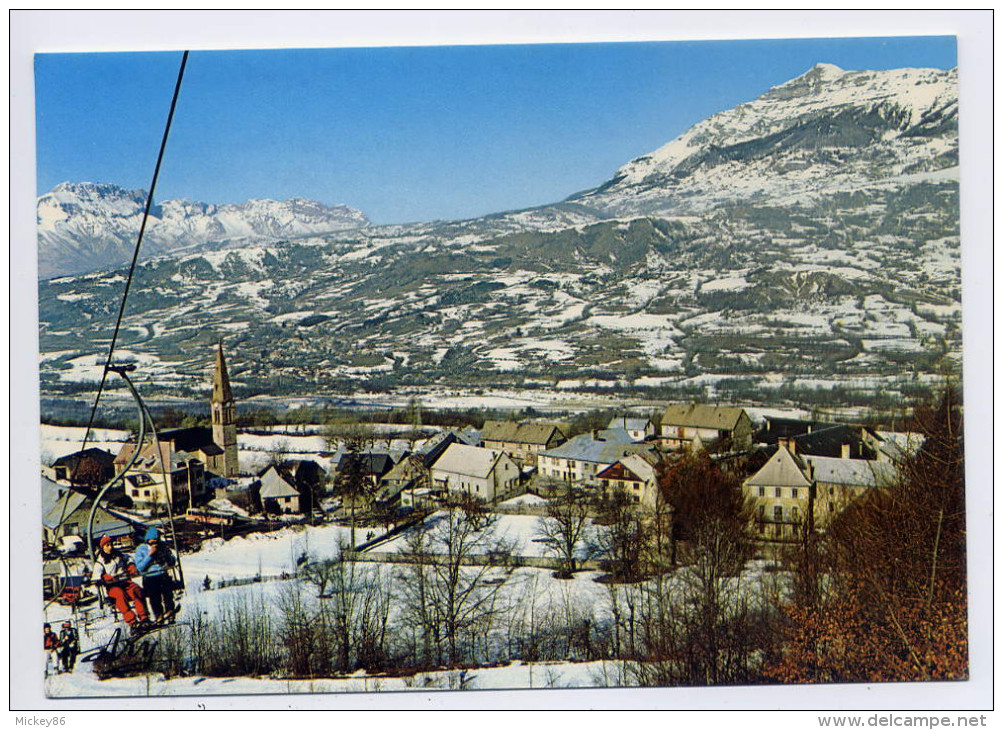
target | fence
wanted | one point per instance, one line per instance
(499, 559)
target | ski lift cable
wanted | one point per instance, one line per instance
(132, 269)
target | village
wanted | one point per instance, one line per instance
(532, 496)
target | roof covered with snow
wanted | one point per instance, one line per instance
(602, 447)
(471, 461)
(852, 472)
(274, 486)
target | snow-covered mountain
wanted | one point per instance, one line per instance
(88, 226)
(826, 130)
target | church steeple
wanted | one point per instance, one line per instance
(224, 416)
(221, 379)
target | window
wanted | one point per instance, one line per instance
(778, 514)
(762, 491)
(795, 516)
(778, 492)
(794, 492)
(832, 507)
(762, 513)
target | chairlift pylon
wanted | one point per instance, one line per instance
(145, 419)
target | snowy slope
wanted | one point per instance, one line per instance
(828, 129)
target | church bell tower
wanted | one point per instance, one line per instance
(224, 416)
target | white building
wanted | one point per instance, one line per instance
(483, 473)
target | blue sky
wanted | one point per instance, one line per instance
(409, 134)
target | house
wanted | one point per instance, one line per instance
(636, 475)
(483, 473)
(66, 513)
(184, 455)
(373, 466)
(177, 456)
(794, 491)
(583, 457)
(638, 428)
(695, 426)
(278, 493)
(88, 468)
(308, 477)
(413, 470)
(521, 441)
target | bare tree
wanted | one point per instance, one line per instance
(625, 541)
(278, 452)
(452, 584)
(563, 530)
(699, 492)
(296, 629)
(351, 620)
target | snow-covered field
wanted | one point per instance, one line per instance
(541, 675)
(268, 553)
(59, 441)
(274, 553)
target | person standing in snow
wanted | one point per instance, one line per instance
(51, 643)
(69, 647)
(112, 569)
(152, 559)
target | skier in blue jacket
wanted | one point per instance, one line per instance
(152, 559)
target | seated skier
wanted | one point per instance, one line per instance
(113, 570)
(152, 559)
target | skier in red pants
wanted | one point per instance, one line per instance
(112, 569)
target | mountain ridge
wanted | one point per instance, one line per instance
(86, 226)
